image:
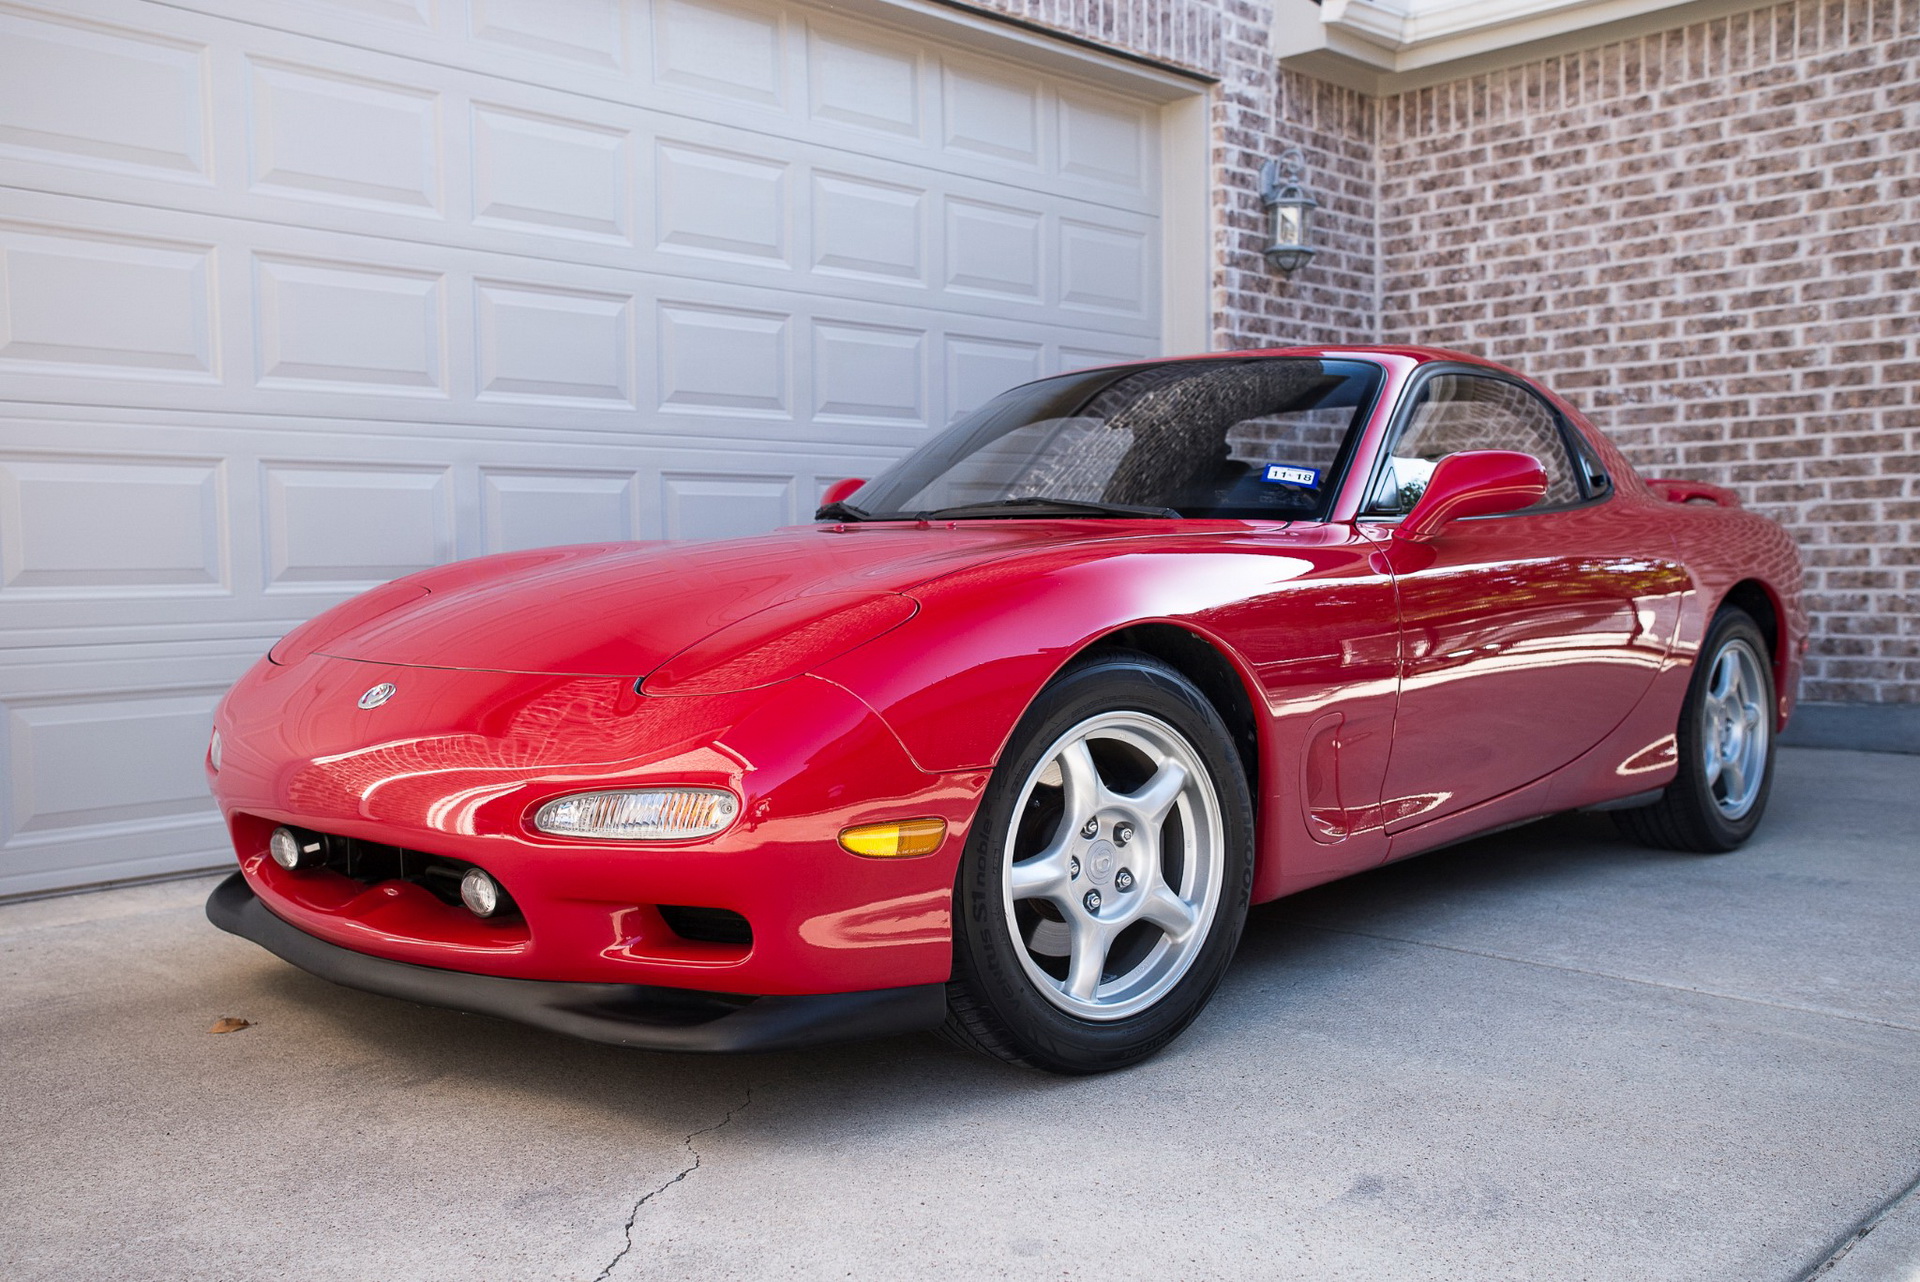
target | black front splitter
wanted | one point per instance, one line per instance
(636, 1015)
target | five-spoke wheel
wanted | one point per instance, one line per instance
(1737, 727)
(1114, 865)
(1105, 883)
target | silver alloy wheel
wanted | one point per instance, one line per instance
(1734, 728)
(1115, 901)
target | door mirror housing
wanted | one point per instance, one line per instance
(843, 489)
(1474, 483)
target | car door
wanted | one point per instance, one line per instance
(1526, 637)
(1322, 639)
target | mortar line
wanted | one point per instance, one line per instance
(1614, 975)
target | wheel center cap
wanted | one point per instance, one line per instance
(1101, 860)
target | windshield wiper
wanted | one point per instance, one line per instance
(1040, 504)
(841, 510)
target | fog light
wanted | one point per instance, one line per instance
(290, 852)
(898, 840)
(213, 751)
(480, 893)
(643, 814)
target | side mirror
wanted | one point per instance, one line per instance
(842, 490)
(1474, 483)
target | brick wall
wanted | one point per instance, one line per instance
(1710, 241)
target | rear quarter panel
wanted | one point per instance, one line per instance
(1721, 547)
(1725, 547)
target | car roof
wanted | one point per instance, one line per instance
(1420, 355)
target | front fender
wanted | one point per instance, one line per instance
(955, 680)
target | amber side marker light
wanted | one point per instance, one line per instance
(898, 840)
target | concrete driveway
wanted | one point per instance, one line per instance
(1547, 1054)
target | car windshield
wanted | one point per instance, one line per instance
(1258, 438)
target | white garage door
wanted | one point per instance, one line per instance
(298, 297)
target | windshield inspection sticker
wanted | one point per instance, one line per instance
(1281, 474)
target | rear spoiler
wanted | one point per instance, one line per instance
(1677, 491)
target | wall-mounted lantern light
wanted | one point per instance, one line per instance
(1288, 208)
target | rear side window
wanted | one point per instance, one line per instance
(1457, 412)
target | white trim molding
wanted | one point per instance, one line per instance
(1387, 46)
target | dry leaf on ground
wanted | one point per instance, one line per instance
(230, 1025)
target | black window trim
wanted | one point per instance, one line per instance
(1571, 440)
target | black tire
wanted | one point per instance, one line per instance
(1689, 816)
(995, 1005)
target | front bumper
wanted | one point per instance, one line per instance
(636, 1015)
(452, 767)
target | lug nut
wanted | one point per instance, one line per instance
(1073, 868)
(1122, 834)
(1092, 901)
(1123, 880)
(1090, 828)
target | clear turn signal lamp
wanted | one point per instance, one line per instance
(641, 814)
(900, 839)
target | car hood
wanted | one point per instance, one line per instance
(624, 609)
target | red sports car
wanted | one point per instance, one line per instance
(1007, 742)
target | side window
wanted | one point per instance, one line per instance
(1457, 412)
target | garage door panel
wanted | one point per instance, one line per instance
(1104, 138)
(549, 175)
(987, 113)
(722, 505)
(992, 250)
(540, 507)
(319, 134)
(869, 374)
(89, 526)
(576, 32)
(871, 230)
(721, 204)
(347, 326)
(856, 78)
(1105, 270)
(730, 50)
(105, 305)
(104, 97)
(100, 754)
(82, 763)
(409, 15)
(351, 528)
(543, 345)
(731, 362)
(977, 368)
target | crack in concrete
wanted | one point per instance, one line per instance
(1861, 1227)
(689, 1169)
(1825, 1012)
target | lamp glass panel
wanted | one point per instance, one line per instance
(1289, 221)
